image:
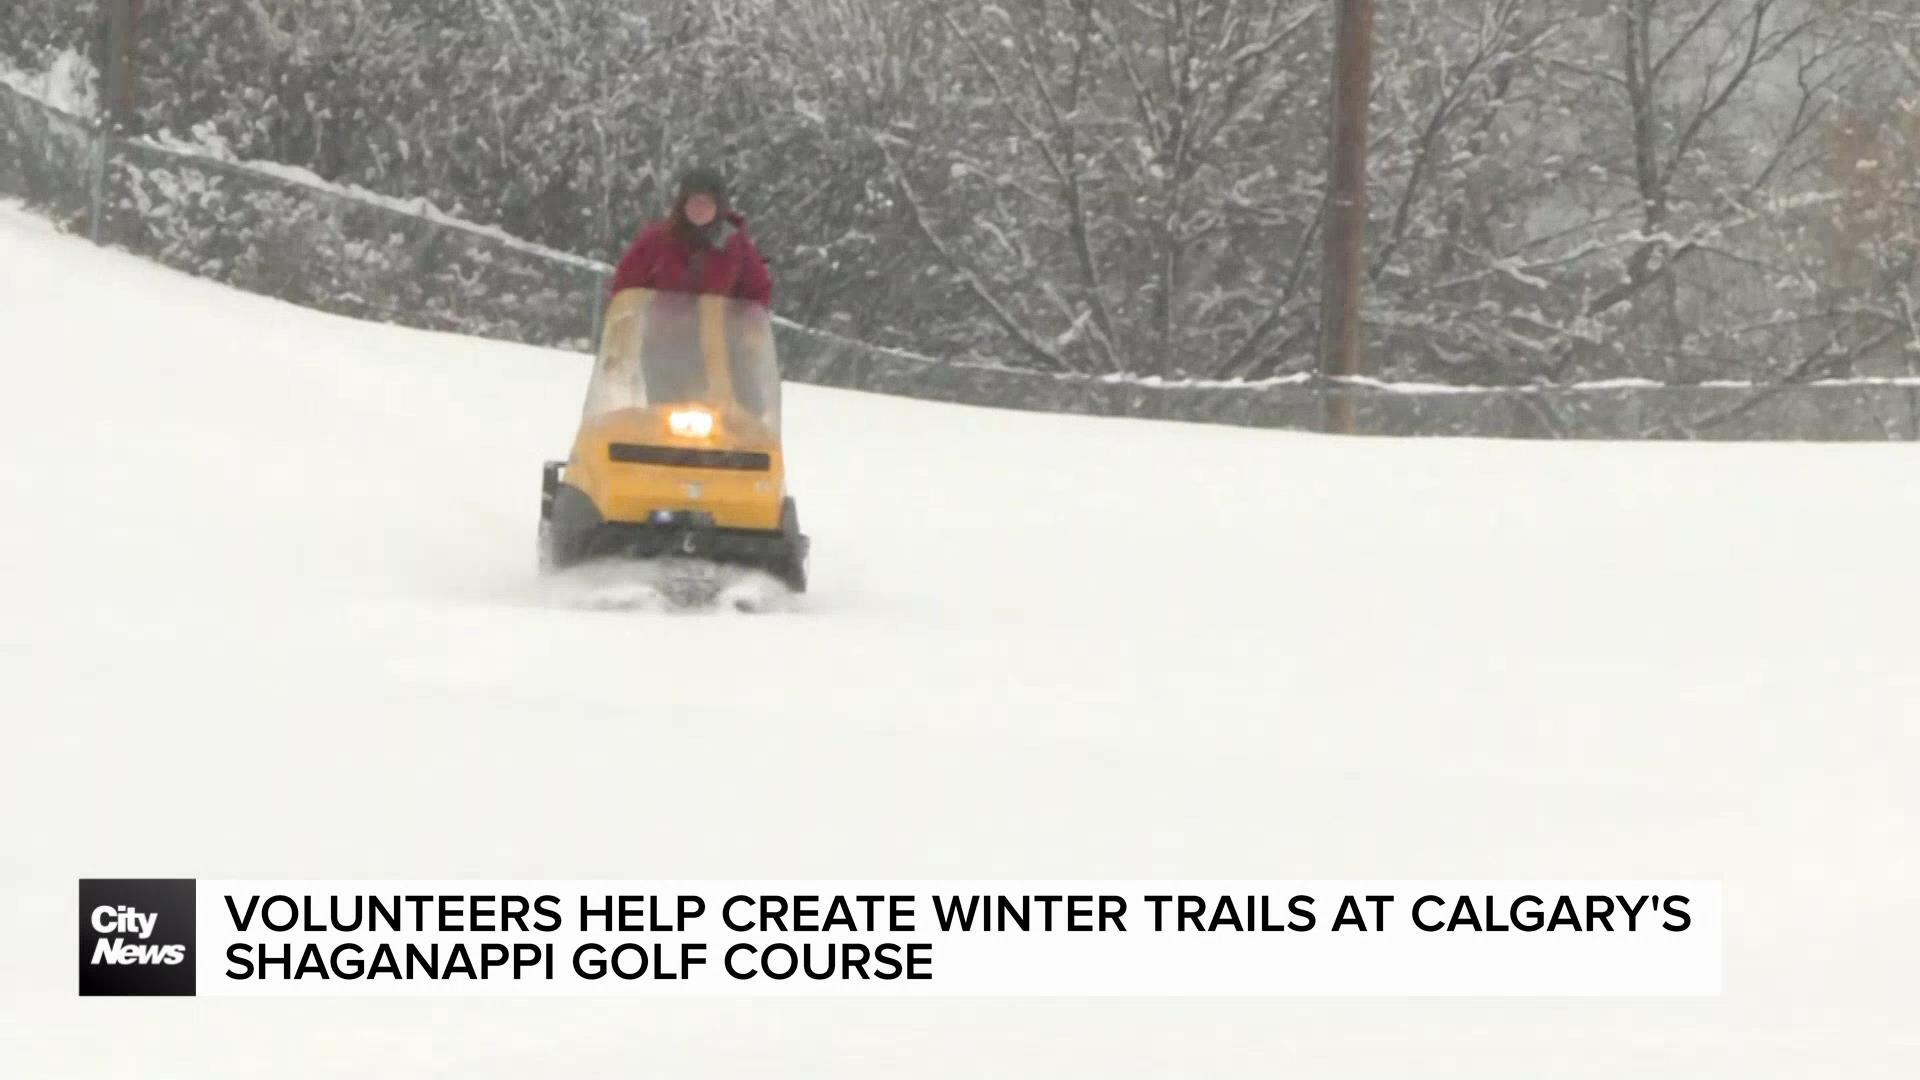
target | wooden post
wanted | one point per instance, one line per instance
(1341, 333)
(123, 64)
(120, 98)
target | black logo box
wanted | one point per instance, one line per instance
(171, 900)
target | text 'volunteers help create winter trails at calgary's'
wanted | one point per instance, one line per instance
(269, 609)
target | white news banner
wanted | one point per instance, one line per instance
(958, 938)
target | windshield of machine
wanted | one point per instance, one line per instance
(663, 348)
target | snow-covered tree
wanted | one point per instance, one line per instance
(1560, 189)
(1108, 183)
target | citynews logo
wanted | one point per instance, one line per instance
(136, 937)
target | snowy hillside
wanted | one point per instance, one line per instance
(267, 609)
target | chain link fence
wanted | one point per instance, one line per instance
(47, 157)
(285, 233)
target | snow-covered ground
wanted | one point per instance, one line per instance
(267, 609)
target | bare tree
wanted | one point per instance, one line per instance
(1609, 212)
(1121, 173)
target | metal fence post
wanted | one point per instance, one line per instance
(97, 195)
(599, 312)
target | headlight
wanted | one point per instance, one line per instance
(691, 423)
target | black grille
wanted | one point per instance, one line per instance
(689, 457)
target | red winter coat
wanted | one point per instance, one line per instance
(660, 259)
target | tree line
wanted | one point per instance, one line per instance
(1676, 190)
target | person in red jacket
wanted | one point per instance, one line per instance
(701, 247)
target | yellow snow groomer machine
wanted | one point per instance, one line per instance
(678, 455)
